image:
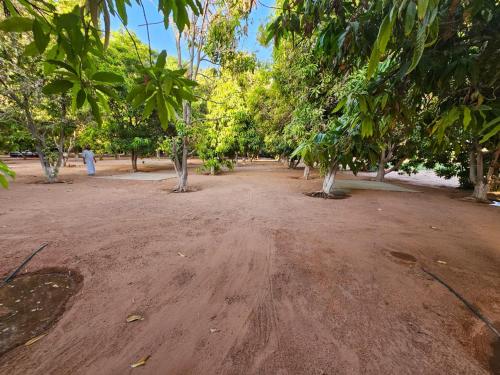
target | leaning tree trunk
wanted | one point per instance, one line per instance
(329, 181)
(307, 172)
(49, 165)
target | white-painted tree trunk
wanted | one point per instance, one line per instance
(482, 182)
(329, 181)
(307, 172)
(481, 191)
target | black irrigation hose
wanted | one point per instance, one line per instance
(474, 310)
(14, 273)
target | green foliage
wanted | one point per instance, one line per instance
(161, 89)
(5, 173)
(71, 46)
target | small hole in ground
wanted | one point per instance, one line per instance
(33, 302)
(403, 256)
(337, 194)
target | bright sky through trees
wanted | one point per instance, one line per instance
(164, 39)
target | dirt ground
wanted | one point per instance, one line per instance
(247, 275)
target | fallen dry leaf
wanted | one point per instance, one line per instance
(442, 262)
(181, 255)
(34, 339)
(133, 318)
(214, 330)
(433, 227)
(140, 362)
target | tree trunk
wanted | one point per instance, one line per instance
(182, 173)
(481, 188)
(307, 171)
(481, 191)
(50, 170)
(134, 161)
(212, 170)
(158, 155)
(329, 181)
(381, 168)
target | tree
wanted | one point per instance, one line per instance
(70, 45)
(21, 84)
(447, 49)
(210, 35)
(228, 129)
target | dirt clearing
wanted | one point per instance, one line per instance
(247, 275)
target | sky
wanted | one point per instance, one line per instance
(162, 39)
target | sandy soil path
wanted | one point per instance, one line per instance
(272, 282)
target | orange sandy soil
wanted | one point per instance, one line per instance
(272, 282)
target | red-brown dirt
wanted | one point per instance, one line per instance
(272, 281)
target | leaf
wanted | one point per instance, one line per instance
(419, 48)
(80, 98)
(366, 127)
(57, 86)
(133, 318)
(422, 8)
(108, 91)
(4, 182)
(374, 59)
(162, 59)
(16, 24)
(107, 77)
(31, 50)
(362, 104)
(140, 362)
(467, 117)
(162, 110)
(122, 12)
(95, 109)
(62, 64)
(41, 39)
(150, 105)
(384, 34)
(411, 11)
(340, 104)
(34, 339)
(181, 255)
(495, 130)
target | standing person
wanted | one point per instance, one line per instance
(89, 159)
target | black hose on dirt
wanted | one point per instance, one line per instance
(474, 310)
(15, 272)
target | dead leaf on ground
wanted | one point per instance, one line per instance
(442, 262)
(34, 339)
(432, 227)
(214, 330)
(133, 318)
(181, 255)
(140, 362)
